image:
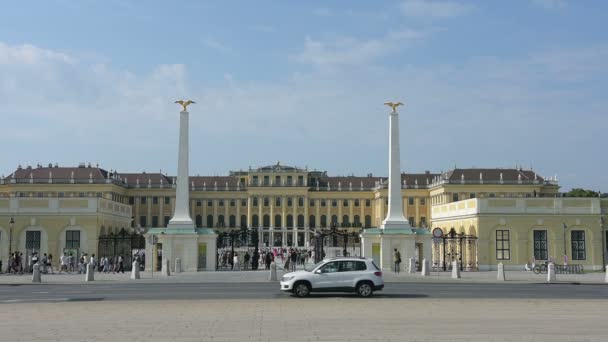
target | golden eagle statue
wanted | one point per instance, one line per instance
(393, 106)
(185, 104)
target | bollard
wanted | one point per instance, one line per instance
(273, 271)
(426, 269)
(501, 272)
(135, 270)
(90, 271)
(606, 280)
(551, 273)
(36, 277)
(178, 265)
(455, 270)
(412, 266)
(165, 269)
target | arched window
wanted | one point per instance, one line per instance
(199, 221)
(368, 221)
(357, 222)
(255, 221)
(289, 221)
(334, 219)
(266, 220)
(277, 221)
(345, 221)
(323, 221)
(209, 221)
(255, 201)
(232, 221)
(220, 221)
(300, 221)
(243, 220)
(312, 221)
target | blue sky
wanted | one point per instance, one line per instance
(486, 84)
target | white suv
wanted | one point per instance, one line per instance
(346, 274)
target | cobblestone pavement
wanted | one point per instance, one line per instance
(311, 319)
(263, 276)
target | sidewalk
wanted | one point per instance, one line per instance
(263, 276)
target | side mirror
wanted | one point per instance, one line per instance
(318, 271)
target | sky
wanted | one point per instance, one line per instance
(485, 84)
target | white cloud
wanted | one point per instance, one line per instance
(31, 55)
(498, 108)
(215, 45)
(550, 4)
(353, 51)
(434, 8)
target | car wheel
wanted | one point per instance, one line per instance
(301, 290)
(364, 289)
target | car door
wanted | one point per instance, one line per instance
(349, 270)
(327, 276)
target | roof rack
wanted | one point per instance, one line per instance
(346, 257)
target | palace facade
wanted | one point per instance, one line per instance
(486, 215)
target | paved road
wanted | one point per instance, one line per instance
(212, 291)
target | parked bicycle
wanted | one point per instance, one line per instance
(542, 268)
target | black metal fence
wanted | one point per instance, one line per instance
(569, 269)
(121, 244)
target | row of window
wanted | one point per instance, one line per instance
(255, 221)
(278, 201)
(541, 246)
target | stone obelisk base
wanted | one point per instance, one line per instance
(380, 244)
(195, 247)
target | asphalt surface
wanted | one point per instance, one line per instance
(211, 291)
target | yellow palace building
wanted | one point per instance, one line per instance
(486, 216)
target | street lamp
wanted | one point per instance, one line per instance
(565, 227)
(11, 224)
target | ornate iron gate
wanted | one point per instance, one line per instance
(239, 241)
(336, 239)
(121, 244)
(456, 247)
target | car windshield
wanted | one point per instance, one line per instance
(310, 267)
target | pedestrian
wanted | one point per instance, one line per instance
(45, 261)
(268, 260)
(235, 261)
(50, 263)
(294, 260)
(93, 262)
(64, 260)
(254, 260)
(71, 262)
(246, 260)
(396, 260)
(120, 264)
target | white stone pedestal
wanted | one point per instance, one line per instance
(551, 273)
(501, 272)
(90, 272)
(135, 270)
(273, 271)
(166, 268)
(411, 266)
(380, 244)
(606, 279)
(455, 270)
(36, 277)
(178, 265)
(426, 268)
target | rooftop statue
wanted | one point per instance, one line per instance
(185, 104)
(393, 106)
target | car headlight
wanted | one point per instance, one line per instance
(287, 278)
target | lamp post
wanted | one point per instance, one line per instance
(565, 227)
(11, 224)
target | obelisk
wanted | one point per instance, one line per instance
(181, 215)
(394, 217)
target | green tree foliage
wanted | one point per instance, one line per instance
(579, 192)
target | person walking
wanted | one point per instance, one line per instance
(50, 263)
(396, 260)
(246, 260)
(120, 264)
(93, 262)
(63, 263)
(235, 261)
(294, 260)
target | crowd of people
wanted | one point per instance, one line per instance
(68, 263)
(289, 258)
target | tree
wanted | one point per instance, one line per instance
(579, 192)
